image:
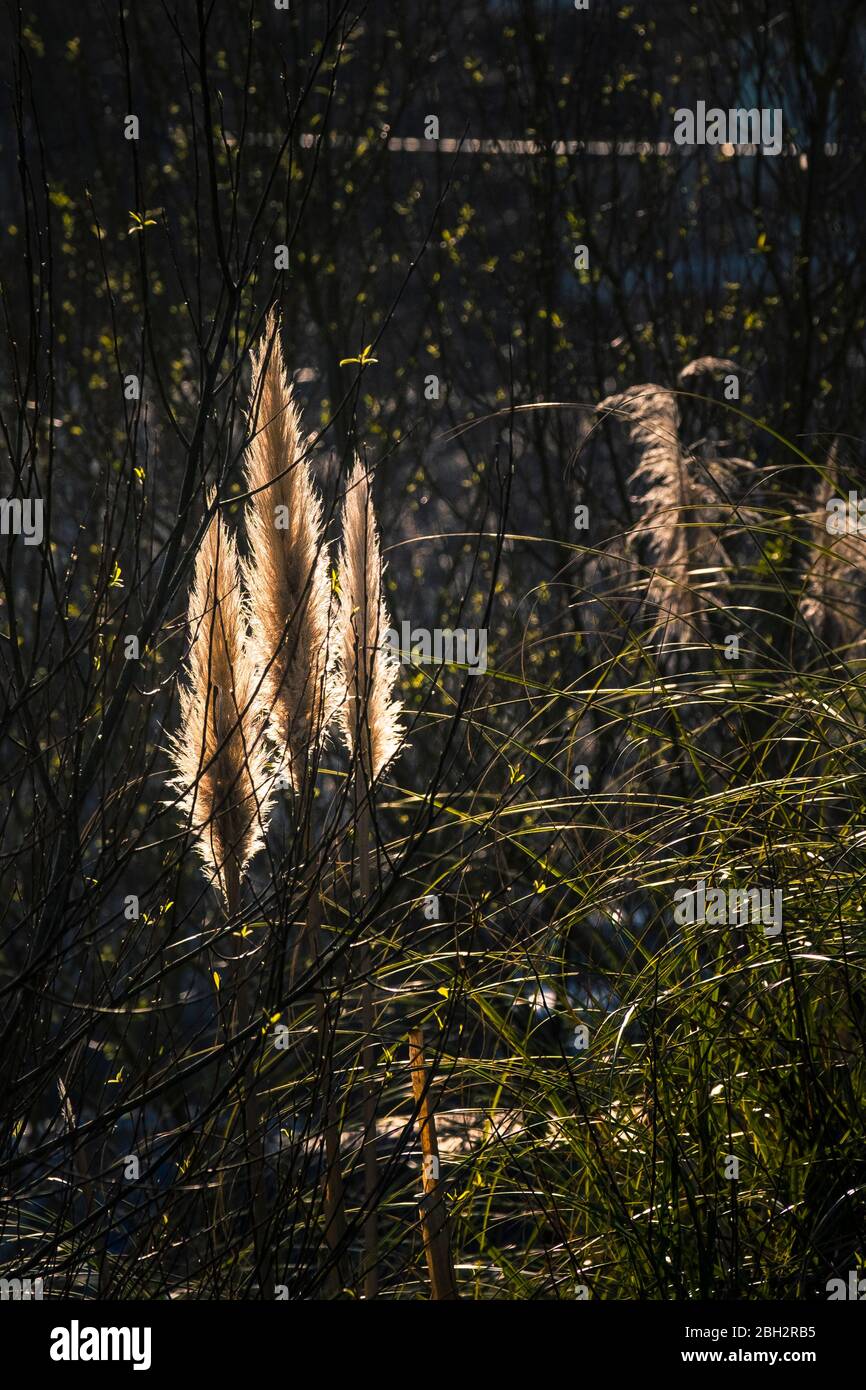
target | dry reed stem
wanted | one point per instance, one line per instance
(368, 1059)
(222, 773)
(371, 725)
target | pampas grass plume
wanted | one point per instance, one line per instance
(287, 571)
(370, 715)
(218, 752)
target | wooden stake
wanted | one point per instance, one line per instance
(434, 1218)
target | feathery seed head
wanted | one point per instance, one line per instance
(652, 416)
(218, 752)
(370, 715)
(830, 602)
(287, 570)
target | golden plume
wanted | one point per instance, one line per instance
(370, 716)
(287, 570)
(683, 501)
(830, 600)
(218, 752)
